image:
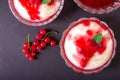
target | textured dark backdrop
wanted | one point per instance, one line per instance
(49, 65)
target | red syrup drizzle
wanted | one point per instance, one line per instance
(86, 47)
(97, 3)
(32, 7)
(51, 3)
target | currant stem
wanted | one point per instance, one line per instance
(28, 41)
(53, 32)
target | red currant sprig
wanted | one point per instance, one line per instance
(29, 50)
(42, 40)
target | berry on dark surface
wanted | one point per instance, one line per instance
(43, 32)
(36, 43)
(25, 50)
(38, 36)
(47, 40)
(33, 54)
(26, 45)
(31, 58)
(53, 43)
(33, 48)
(27, 55)
(43, 44)
(39, 48)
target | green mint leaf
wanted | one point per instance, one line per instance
(45, 1)
(28, 40)
(97, 38)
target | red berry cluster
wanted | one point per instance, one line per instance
(42, 39)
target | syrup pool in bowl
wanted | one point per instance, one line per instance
(81, 52)
(34, 12)
(98, 6)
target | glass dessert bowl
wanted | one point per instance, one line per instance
(36, 12)
(88, 45)
(98, 6)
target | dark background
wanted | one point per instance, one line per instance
(49, 65)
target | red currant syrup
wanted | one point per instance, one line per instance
(51, 3)
(87, 48)
(97, 3)
(32, 7)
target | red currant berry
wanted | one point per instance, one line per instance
(35, 43)
(25, 45)
(39, 48)
(31, 58)
(43, 32)
(25, 50)
(33, 54)
(38, 36)
(53, 43)
(27, 55)
(47, 39)
(86, 23)
(43, 44)
(33, 48)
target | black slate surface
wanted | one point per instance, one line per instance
(49, 65)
